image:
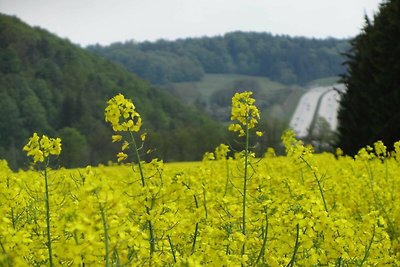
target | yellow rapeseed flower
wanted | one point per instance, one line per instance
(143, 136)
(122, 115)
(244, 112)
(125, 145)
(258, 133)
(121, 156)
(221, 151)
(116, 138)
(40, 148)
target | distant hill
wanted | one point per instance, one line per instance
(51, 86)
(284, 59)
(213, 94)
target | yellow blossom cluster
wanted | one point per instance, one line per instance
(245, 112)
(221, 151)
(40, 148)
(122, 115)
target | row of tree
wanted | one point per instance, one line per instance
(289, 60)
(370, 110)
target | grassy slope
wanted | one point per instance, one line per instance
(276, 99)
(214, 82)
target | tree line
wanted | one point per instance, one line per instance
(370, 109)
(281, 58)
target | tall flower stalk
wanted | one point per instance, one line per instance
(122, 115)
(246, 115)
(40, 149)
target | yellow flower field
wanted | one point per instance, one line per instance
(196, 213)
(300, 209)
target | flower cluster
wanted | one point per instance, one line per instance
(122, 115)
(221, 151)
(40, 148)
(244, 112)
(295, 148)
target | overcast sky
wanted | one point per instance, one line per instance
(106, 21)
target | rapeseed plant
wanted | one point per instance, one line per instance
(246, 115)
(40, 148)
(122, 115)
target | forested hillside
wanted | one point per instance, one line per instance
(289, 60)
(50, 86)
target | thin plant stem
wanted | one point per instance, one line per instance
(366, 254)
(172, 247)
(246, 159)
(196, 228)
(105, 229)
(296, 247)
(205, 201)
(138, 159)
(227, 177)
(151, 230)
(321, 190)
(262, 251)
(48, 216)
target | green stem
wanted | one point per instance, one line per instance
(172, 247)
(227, 177)
(13, 218)
(368, 248)
(196, 228)
(205, 201)
(296, 247)
(48, 217)
(151, 230)
(262, 251)
(246, 159)
(138, 159)
(321, 190)
(105, 228)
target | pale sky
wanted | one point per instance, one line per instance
(87, 22)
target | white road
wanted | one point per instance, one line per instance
(320, 101)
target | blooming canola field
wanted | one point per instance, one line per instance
(230, 209)
(196, 213)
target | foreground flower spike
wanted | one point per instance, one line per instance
(244, 112)
(122, 115)
(40, 148)
(247, 115)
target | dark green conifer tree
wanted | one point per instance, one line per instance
(370, 109)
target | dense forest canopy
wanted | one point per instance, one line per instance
(50, 86)
(285, 59)
(370, 110)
